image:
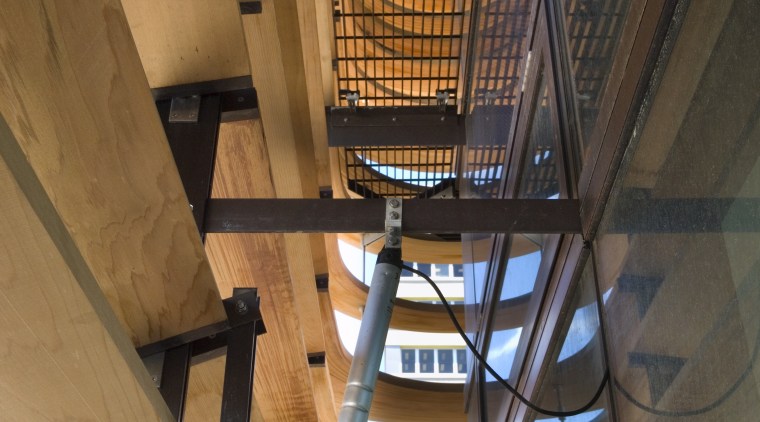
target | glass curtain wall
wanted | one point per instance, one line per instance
(679, 246)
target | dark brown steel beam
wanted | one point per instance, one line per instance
(368, 216)
(395, 126)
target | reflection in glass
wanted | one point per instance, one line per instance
(593, 32)
(511, 313)
(539, 178)
(577, 362)
(683, 318)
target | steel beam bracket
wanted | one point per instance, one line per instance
(393, 213)
(243, 308)
(442, 99)
(169, 361)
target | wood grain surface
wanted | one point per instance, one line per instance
(77, 102)
(188, 41)
(63, 353)
(282, 383)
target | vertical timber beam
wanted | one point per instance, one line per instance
(285, 61)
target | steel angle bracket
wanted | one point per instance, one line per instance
(393, 213)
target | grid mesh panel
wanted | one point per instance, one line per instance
(397, 53)
(502, 26)
(401, 172)
(497, 52)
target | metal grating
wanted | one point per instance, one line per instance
(484, 170)
(401, 172)
(593, 31)
(398, 53)
(497, 51)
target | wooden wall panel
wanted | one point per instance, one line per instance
(188, 41)
(76, 99)
(63, 353)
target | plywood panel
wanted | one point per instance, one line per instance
(187, 41)
(76, 99)
(63, 353)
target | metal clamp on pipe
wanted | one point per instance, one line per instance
(376, 319)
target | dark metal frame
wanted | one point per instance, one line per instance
(237, 334)
(394, 126)
(193, 144)
(367, 216)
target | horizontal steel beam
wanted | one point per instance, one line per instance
(395, 126)
(438, 216)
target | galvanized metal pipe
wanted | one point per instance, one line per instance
(376, 319)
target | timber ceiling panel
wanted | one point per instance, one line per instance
(188, 41)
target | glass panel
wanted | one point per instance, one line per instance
(577, 361)
(679, 245)
(408, 360)
(461, 361)
(593, 30)
(539, 178)
(475, 254)
(445, 361)
(511, 313)
(427, 360)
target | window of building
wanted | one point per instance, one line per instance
(461, 361)
(445, 361)
(408, 360)
(427, 361)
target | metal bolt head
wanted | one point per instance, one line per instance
(443, 118)
(241, 307)
(240, 99)
(155, 378)
(191, 207)
(345, 120)
(394, 203)
(394, 215)
(394, 118)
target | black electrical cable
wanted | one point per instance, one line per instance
(559, 414)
